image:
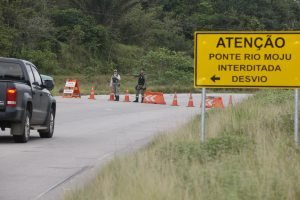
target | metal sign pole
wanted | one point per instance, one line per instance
(202, 137)
(296, 127)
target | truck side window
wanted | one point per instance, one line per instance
(30, 74)
(37, 76)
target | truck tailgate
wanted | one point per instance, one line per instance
(3, 87)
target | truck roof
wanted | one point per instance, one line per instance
(14, 60)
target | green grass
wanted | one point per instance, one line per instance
(249, 154)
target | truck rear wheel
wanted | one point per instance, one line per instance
(21, 131)
(48, 133)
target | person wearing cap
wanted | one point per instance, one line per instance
(141, 86)
(115, 84)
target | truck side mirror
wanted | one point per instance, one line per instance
(49, 84)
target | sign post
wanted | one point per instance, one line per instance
(266, 59)
(296, 118)
(203, 106)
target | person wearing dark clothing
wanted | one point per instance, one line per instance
(141, 86)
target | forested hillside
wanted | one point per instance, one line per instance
(95, 36)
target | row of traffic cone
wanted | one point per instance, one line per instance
(111, 96)
(218, 103)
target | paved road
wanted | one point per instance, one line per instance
(87, 134)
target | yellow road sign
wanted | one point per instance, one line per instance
(247, 59)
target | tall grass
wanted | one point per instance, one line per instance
(249, 154)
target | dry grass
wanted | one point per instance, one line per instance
(249, 155)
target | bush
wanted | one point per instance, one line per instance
(127, 58)
(164, 67)
(45, 61)
(210, 150)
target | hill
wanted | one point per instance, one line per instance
(93, 37)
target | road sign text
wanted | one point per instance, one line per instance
(251, 42)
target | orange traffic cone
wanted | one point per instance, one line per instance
(218, 103)
(230, 101)
(175, 103)
(92, 94)
(191, 102)
(111, 96)
(126, 97)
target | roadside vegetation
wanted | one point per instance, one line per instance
(92, 37)
(249, 154)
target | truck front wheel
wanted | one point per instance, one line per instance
(48, 133)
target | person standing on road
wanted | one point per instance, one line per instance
(141, 86)
(115, 84)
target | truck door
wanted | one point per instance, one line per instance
(44, 96)
(36, 98)
(38, 86)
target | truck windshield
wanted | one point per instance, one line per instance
(11, 71)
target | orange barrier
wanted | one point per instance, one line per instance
(71, 89)
(230, 101)
(126, 97)
(213, 102)
(209, 102)
(218, 103)
(154, 98)
(191, 102)
(175, 103)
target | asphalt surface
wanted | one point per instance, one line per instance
(88, 133)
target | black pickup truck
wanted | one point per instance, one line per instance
(25, 100)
